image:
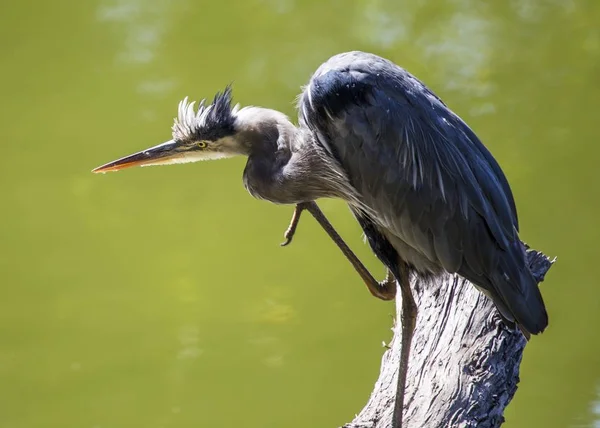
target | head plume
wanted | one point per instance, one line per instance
(208, 122)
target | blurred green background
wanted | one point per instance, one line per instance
(160, 297)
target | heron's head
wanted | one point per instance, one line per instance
(207, 132)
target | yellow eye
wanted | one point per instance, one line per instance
(201, 144)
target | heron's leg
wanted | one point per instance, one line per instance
(385, 290)
(408, 319)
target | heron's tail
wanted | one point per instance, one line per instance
(517, 288)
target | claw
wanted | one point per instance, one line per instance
(291, 230)
(288, 238)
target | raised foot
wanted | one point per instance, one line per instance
(384, 290)
(291, 230)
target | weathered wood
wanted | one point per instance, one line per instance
(464, 363)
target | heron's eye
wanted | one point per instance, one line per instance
(201, 144)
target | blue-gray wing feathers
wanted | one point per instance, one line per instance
(439, 196)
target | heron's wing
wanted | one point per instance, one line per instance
(425, 174)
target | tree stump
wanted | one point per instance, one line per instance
(464, 362)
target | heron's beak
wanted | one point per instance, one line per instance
(162, 154)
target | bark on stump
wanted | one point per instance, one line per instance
(464, 362)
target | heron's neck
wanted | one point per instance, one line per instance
(284, 165)
(264, 131)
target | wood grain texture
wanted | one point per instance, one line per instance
(464, 365)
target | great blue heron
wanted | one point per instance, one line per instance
(428, 195)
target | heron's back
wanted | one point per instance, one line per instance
(436, 194)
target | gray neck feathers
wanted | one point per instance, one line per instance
(285, 164)
(264, 130)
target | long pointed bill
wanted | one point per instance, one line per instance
(163, 154)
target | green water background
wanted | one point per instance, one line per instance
(159, 297)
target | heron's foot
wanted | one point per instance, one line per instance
(291, 230)
(386, 289)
